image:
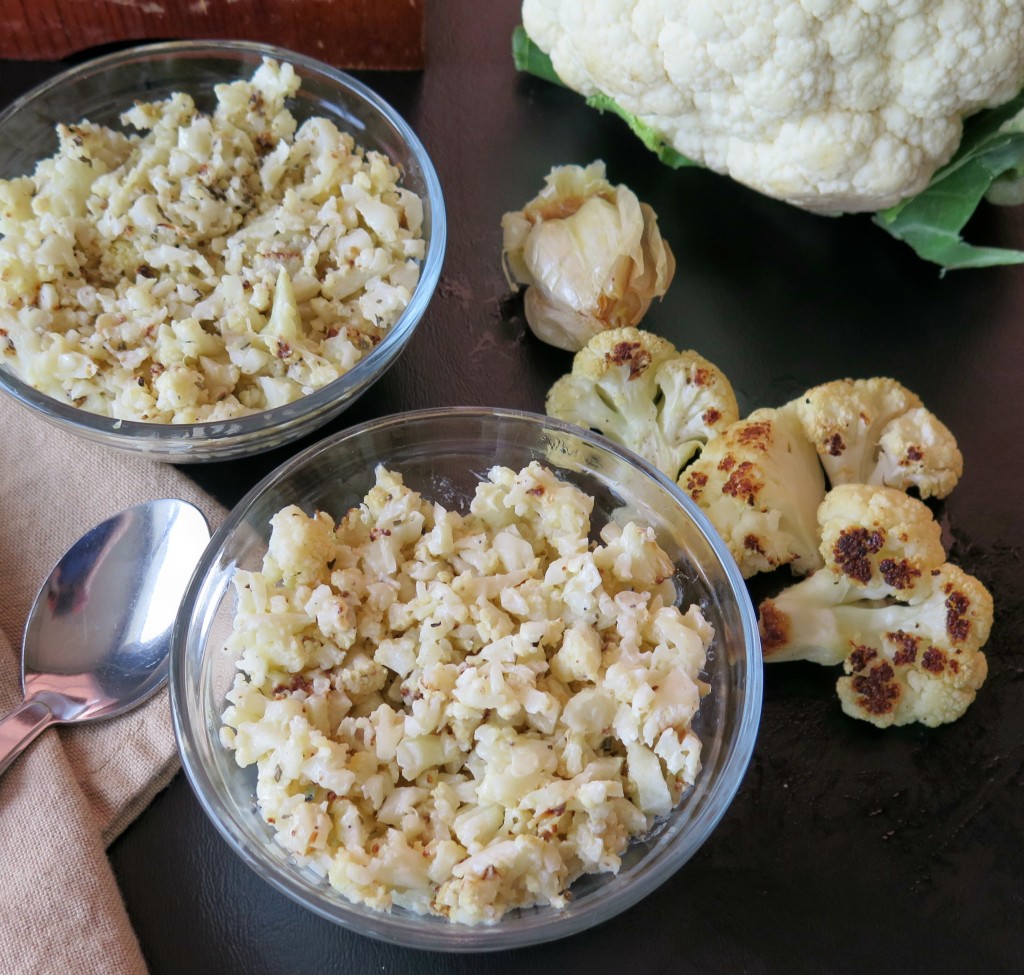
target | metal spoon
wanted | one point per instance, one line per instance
(99, 631)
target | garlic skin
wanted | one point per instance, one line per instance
(589, 253)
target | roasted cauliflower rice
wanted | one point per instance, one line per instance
(203, 266)
(461, 714)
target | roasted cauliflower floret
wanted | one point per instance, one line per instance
(907, 625)
(908, 679)
(638, 390)
(884, 541)
(760, 484)
(876, 431)
(880, 546)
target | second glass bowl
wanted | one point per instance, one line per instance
(444, 454)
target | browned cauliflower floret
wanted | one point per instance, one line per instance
(907, 625)
(638, 390)
(876, 431)
(760, 484)
(910, 679)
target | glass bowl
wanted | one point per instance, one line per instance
(443, 454)
(100, 90)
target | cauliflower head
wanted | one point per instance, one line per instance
(760, 484)
(907, 625)
(831, 106)
(876, 431)
(637, 389)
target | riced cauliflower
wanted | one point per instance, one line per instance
(461, 714)
(828, 104)
(204, 266)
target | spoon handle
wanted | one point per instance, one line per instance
(19, 727)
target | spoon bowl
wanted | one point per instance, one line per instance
(98, 634)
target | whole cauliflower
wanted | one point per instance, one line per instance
(907, 625)
(637, 389)
(830, 105)
(876, 431)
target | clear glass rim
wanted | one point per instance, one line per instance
(410, 931)
(244, 428)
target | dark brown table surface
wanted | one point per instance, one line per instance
(847, 849)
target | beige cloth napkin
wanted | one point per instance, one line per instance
(76, 788)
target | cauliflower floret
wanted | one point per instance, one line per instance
(579, 657)
(552, 515)
(590, 254)
(882, 550)
(831, 107)
(633, 557)
(884, 541)
(907, 679)
(300, 547)
(638, 390)
(887, 605)
(527, 868)
(760, 484)
(876, 431)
